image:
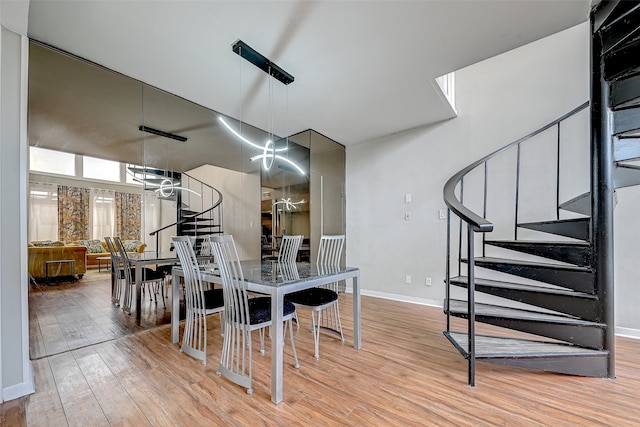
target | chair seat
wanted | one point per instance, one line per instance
(260, 310)
(313, 297)
(213, 298)
(149, 274)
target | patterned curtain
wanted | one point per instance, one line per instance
(73, 213)
(128, 215)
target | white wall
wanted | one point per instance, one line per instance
(16, 377)
(498, 101)
(241, 206)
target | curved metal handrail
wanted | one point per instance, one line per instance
(215, 205)
(477, 222)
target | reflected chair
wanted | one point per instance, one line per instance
(117, 272)
(323, 300)
(242, 315)
(199, 303)
(149, 276)
(289, 247)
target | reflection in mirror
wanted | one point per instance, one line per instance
(285, 199)
(78, 108)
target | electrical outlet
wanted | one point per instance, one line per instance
(407, 279)
(427, 282)
(407, 216)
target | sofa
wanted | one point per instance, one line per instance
(97, 249)
(41, 252)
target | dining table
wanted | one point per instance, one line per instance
(140, 260)
(275, 280)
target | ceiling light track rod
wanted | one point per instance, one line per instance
(261, 61)
(162, 133)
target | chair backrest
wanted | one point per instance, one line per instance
(194, 291)
(186, 255)
(124, 258)
(288, 271)
(115, 261)
(236, 305)
(329, 255)
(330, 250)
(289, 248)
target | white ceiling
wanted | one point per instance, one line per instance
(363, 69)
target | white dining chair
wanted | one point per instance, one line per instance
(323, 300)
(117, 272)
(149, 276)
(242, 315)
(199, 303)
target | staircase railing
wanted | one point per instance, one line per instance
(477, 223)
(201, 198)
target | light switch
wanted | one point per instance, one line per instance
(407, 198)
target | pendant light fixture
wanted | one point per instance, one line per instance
(269, 151)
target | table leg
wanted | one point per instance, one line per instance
(277, 344)
(138, 291)
(175, 306)
(357, 337)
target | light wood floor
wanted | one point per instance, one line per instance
(68, 316)
(407, 374)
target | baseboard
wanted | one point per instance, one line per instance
(620, 332)
(18, 390)
(397, 297)
(628, 333)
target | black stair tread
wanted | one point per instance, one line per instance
(580, 243)
(509, 261)
(577, 228)
(570, 252)
(607, 14)
(555, 221)
(491, 347)
(523, 287)
(490, 310)
(580, 204)
(156, 172)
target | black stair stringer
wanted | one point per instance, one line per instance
(570, 302)
(576, 228)
(579, 279)
(542, 355)
(578, 253)
(565, 328)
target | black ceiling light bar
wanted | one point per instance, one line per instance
(162, 133)
(260, 61)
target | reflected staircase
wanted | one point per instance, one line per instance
(557, 291)
(198, 205)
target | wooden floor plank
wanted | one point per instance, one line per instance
(44, 407)
(407, 373)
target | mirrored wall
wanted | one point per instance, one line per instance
(175, 151)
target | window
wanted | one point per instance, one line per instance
(130, 176)
(43, 212)
(51, 161)
(106, 170)
(103, 207)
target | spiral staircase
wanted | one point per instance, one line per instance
(555, 291)
(198, 205)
